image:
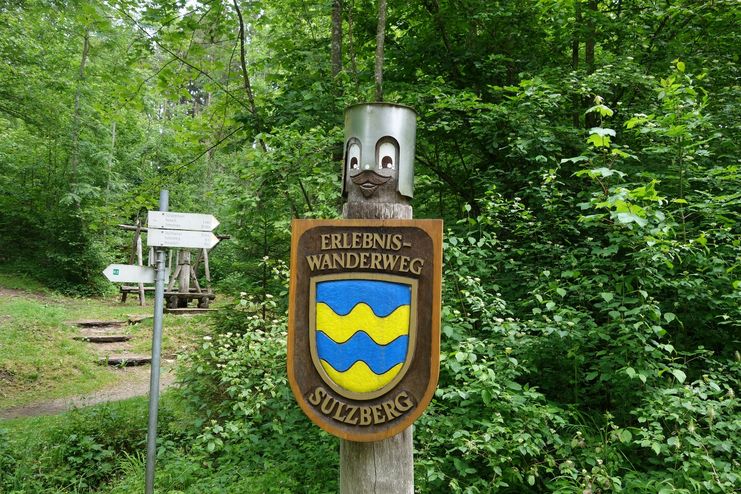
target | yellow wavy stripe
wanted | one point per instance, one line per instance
(383, 330)
(359, 378)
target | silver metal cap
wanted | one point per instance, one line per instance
(379, 137)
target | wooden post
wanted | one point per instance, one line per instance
(385, 466)
(136, 242)
(184, 277)
(139, 258)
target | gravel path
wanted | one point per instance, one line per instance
(136, 384)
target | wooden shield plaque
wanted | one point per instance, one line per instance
(364, 323)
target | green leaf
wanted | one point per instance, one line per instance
(561, 292)
(599, 141)
(679, 375)
(625, 436)
(626, 218)
(575, 159)
(607, 296)
(669, 316)
(601, 109)
(680, 66)
(631, 372)
(602, 131)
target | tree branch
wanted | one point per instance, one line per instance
(181, 59)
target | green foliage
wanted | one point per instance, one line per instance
(246, 414)
(584, 157)
(77, 454)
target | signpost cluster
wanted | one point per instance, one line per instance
(165, 230)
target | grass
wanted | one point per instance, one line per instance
(39, 360)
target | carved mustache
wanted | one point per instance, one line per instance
(369, 177)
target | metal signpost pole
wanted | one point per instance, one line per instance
(154, 381)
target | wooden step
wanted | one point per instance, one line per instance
(136, 319)
(92, 324)
(103, 338)
(189, 310)
(125, 360)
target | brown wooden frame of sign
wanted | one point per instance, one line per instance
(303, 369)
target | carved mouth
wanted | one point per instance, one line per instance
(369, 181)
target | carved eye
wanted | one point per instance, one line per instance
(353, 155)
(387, 152)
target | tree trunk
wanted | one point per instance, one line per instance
(336, 38)
(351, 47)
(246, 76)
(591, 37)
(590, 120)
(75, 153)
(577, 107)
(380, 39)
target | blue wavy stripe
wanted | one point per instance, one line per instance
(380, 358)
(383, 297)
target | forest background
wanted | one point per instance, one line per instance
(584, 155)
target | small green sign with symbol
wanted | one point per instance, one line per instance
(122, 273)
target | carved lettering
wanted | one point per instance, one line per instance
(338, 414)
(375, 261)
(396, 242)
(336, 241)
(389, 262)
(389, 408)
(314, 262)
(404, 267)
(403, 402)
(377, 414)
(362, 240)
(365, 260)
(328, 405)
(316, 397)
(351, 418)
(416, 265)
(365, 416)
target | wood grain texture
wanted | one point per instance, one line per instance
(381, 467)
(385, 466)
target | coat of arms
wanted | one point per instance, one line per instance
(364, 332)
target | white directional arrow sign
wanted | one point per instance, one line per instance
(129, 273)
(181, 221)
(181, 238)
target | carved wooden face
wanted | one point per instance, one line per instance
(376, 168)
(379, 152)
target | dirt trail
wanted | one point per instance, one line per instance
(136, 384)
(134, 381)
(14, 292)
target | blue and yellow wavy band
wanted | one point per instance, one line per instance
(362, 331)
